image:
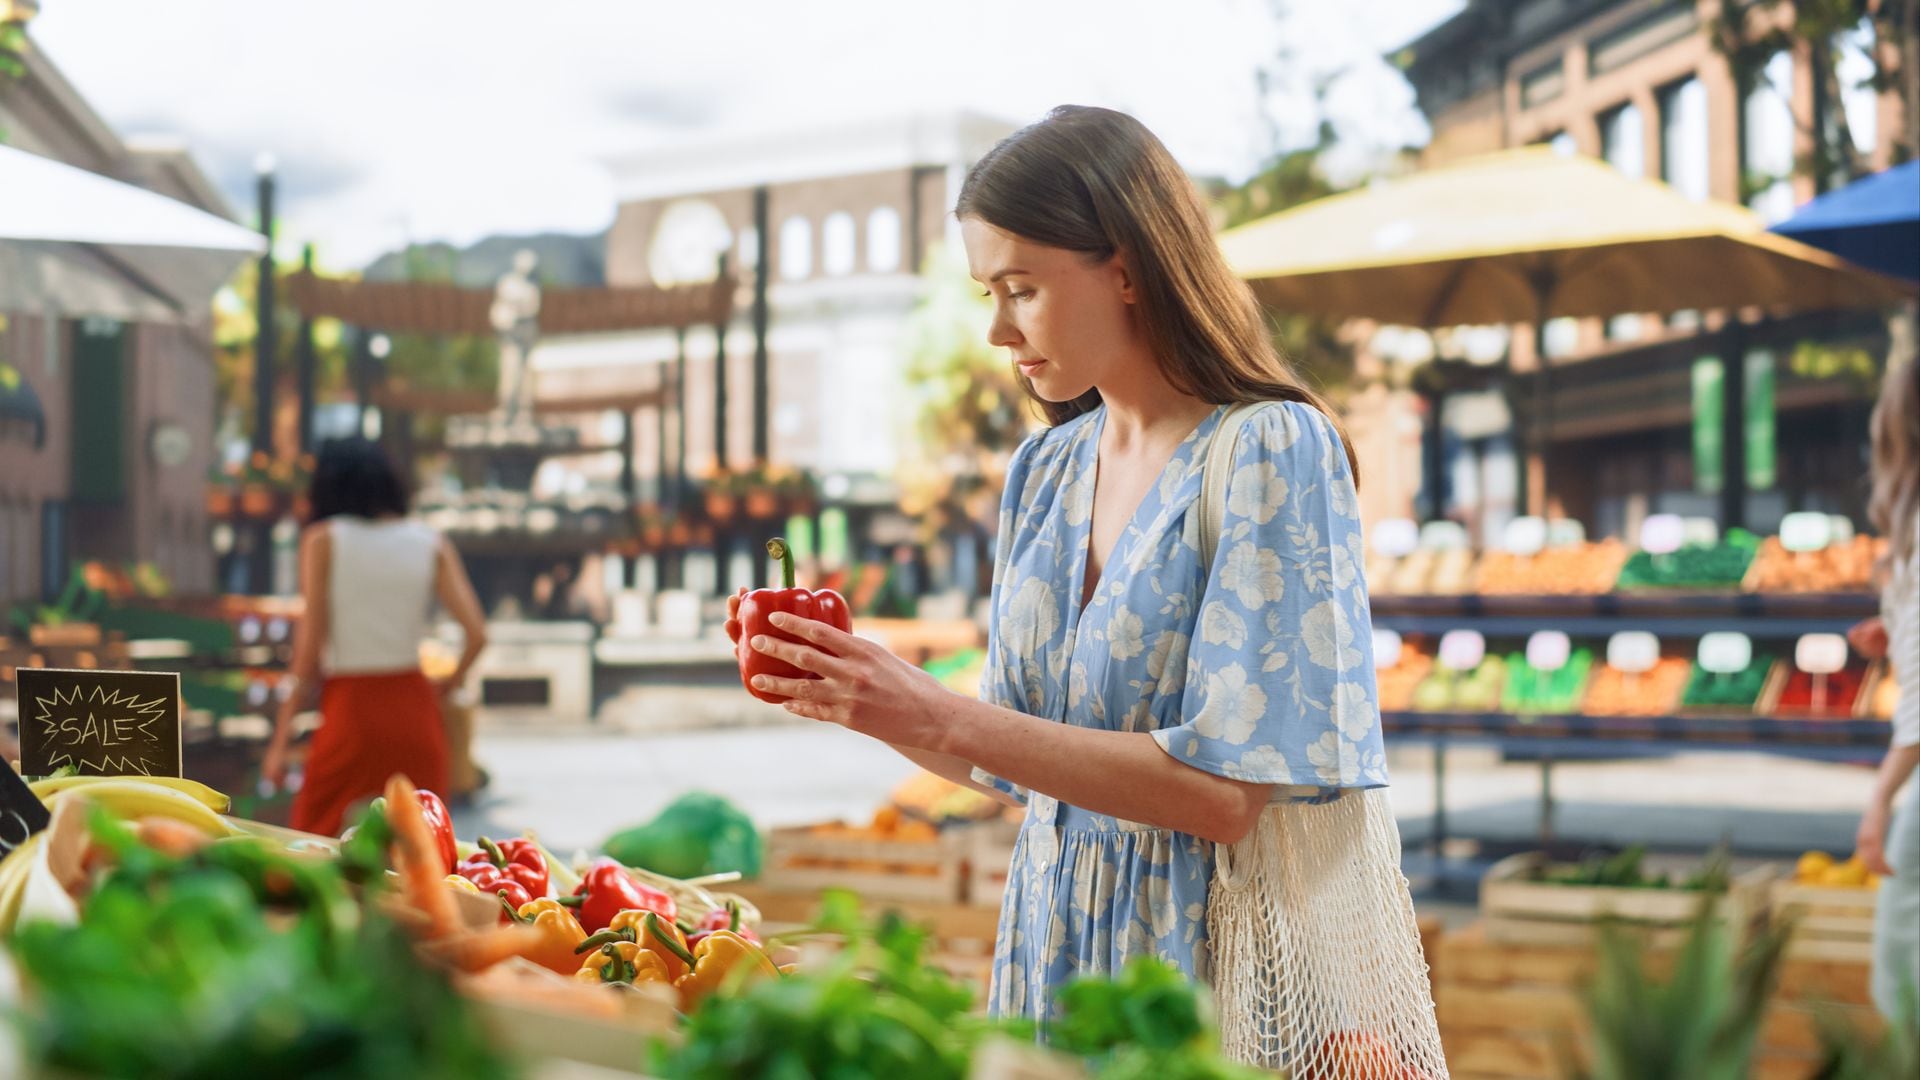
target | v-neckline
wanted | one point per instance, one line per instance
(1083, 595)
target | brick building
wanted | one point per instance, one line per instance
(120, 367)
(1640, 84)
(852, 211)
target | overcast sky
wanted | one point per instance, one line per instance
(399, 120)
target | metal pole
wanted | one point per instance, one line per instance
(762, 433)
(720, 385)
(305, 363)
(260, 533)
(1733, 424)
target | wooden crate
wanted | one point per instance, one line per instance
(1519, 910)
(962, 933)
(989, 853)
(800, 860)
(1831, 923)
(1511, 1011)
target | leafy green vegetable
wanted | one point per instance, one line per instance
(239, 961)
(698, 833)
(1149, 1022)
(875, 1010)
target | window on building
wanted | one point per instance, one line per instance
(837, 251)
(796, 248)
(1854, 71)
(1766, 144)
(1542, 84)
(749, 249)
(1623, 140)
(1683, 138)
(883, 240)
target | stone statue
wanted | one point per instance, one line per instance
(515, 315)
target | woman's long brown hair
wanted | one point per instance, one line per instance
(1098, 182)
(1895, 502)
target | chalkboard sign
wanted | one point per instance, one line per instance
(21, 812)
(103, 723)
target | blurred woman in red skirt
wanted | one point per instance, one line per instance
(369, 574)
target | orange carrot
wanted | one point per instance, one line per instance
(417, 859)
(481, 949)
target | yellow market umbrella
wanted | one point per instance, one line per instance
(1529, 235)
(1532, 234)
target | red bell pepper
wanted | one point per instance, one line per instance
(759, 606)
(721, 918)
(516, 860)
(607, 889)
(440, 823)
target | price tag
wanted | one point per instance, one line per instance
(1395, 537)
(1443, 536)
(1462, 650)
(250, 629)
(1820, 654)
(1548, 650)
(1566, 532)
(279, 630)
(1806, 531)
(1724, 652)
(1386, 649)
(1524, 536)
(1662, 534)
(1633, 651)
(1699, 531)
(104, 723)
(1842, 532)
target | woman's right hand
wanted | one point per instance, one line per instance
(273, 768)
(1869, 638)
(1870, 842)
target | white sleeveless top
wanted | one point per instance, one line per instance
(380, 594)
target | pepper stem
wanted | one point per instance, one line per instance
(733, 916)
(493, 851)
(571, 901)
(604, 937)
(777, 547)
(512, 912)
(664, 938)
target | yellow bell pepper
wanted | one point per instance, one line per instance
(649, 931)
(560, 933)
(459, 882)
(722, 958)
(622, 962)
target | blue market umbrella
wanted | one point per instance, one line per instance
(1874, 222)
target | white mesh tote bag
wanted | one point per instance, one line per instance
(1317, 965)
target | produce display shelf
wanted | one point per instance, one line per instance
(1844, 739)
(1676, 625)
(1653, 604)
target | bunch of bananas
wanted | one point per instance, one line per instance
(133, 798)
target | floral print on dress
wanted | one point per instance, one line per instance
(1259, 669)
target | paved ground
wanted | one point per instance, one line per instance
(575, 785)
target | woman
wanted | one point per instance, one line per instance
(1141, 706)
(1889, 839)
(369, 575)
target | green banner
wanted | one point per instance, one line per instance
(1709, 425)
(1759, 432)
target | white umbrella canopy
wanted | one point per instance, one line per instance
(51, 213)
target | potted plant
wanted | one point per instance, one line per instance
(257, 495)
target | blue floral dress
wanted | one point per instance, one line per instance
(1260, 670)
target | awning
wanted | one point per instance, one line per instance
(176, 254)
(1874, 221)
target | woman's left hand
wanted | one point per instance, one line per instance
(861, 686)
